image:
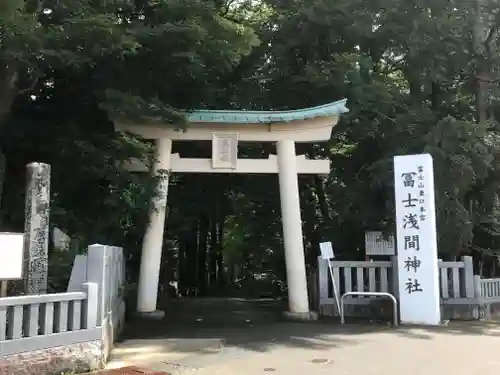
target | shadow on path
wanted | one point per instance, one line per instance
(256, 325)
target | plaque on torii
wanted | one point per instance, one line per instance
(225, 151)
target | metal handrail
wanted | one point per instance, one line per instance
(375, 294)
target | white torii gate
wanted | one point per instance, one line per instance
(225, 129)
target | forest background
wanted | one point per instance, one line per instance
(419, 76)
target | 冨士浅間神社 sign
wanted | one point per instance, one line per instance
(418, 270)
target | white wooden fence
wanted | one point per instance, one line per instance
(93, 309)
(36, 322)
(457, 282)
(489, 289)
(351, 276)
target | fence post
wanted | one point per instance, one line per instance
(97, 268)
(395, 277)
(481, 309)
(92, 305)
(469, 277)
(477, 288)
(322, 280)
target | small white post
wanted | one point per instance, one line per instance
(153, 239)
(322, 279)
(479, 310)
(96, 273)
(334, 286)
(91, 312)
(469, 276)
(298, 300)
(327, 254)
(395, 277)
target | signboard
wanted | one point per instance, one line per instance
(376, 244)
(418, 271)
(326, 250)
(11, 256)
(224, 150)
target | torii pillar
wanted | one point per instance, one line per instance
(225, 129)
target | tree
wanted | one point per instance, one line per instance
(68, 69)
(409, 72)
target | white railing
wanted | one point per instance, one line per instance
(42, 321)
(490, 290)
(456, 280)
(92, 310)
(356, 276)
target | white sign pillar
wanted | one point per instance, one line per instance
(418, 270)
(298, 300)
(153, 239)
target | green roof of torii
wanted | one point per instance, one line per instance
(256, 117)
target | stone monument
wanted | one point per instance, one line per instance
(36, 228)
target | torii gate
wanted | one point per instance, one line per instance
(225, 129)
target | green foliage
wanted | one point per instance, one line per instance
(409, 70)
(70, 68)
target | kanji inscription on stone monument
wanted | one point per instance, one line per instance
(36, 230)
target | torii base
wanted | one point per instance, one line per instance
(153, 315)
(310, 316)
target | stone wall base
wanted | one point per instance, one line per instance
(77, 358)
(375, 311)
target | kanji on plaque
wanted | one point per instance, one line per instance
(416, 239)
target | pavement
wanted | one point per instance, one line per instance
(248, 337)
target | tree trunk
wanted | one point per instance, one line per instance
(214, 249)
(8, 81)
(202, 255)
(323, 203)
(483, 38)
(8, 88)
(190, 264)
(221, 275)
(181, 266)
(311, 226)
